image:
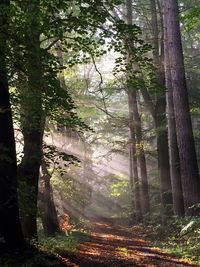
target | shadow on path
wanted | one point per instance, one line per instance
(114, 246)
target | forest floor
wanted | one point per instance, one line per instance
(115, 246)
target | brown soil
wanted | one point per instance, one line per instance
(114, 246)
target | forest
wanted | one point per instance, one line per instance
(99, 133)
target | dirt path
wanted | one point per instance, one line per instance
(113, 246)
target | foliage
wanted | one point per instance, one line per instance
(62, 243)
(82, 32)
(133, 66)
(73, 27)
(119, 192)
(185, 241)
(58, 160)
(179, 236)
(74, 192)
(191, 18)
(81, 225)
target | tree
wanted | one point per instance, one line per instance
(185, 140)
(132, 105)
(10, 227)
(177, 192)
(32, 117)
(141, 157)
(42, 95)
(134, 179)
(159, 111)
(137, 150)
(154, 93)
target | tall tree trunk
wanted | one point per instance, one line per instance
(131, 182)
(177, 192)
(185, 139)
(32, 120)
(137, 131)
(48, 209)
(163, 159)
(10, 228)
(160, 116)
(141, 157)
(134, 179)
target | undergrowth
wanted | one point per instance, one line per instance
(62, 243)
(179, 236)
(45, 252)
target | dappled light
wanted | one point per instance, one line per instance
(99, 133)
(115, 246)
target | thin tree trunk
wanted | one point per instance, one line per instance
(10, 228)
(131, 182)
(155, 33)
(141, 157)
(185, 139)
(134, 179)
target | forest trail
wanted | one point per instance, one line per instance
(114, 246)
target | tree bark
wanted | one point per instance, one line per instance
(159, 116)
(185, 139)
(134, 179)
(177, 192)
(163, 159)
(32, 120)
(141, 157)
(48, 209)
(10, 228)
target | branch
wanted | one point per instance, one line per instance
(100, 83)
(52, 44)
(106, 112)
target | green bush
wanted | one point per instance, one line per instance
(180, 236)
(186, 239)
(62, 243)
